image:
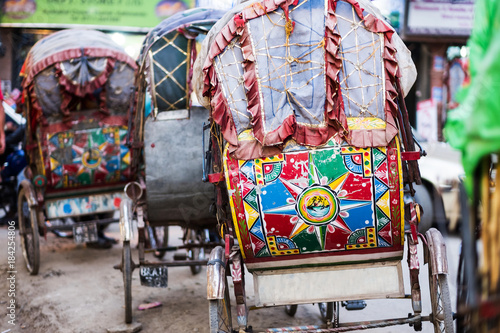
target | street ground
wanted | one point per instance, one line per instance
(78, 291)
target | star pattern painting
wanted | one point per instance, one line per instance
(93, 156)
(335, 199)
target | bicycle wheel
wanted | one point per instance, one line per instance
(195, 253)
(291, 309)
(160, 235)
(220, 313)
(330, 312)
(127, 280)
(29, 233)
(442, 317)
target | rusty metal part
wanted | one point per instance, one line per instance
(346, 327)
(437, 252)
(238, 275)
(216, 274)
(413, 262)
(30, 193)
(126, 230)
(133, 190)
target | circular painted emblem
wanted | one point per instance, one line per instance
(91, 158)
(317, 205)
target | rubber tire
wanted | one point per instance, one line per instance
(127, 280)
(465, 320)
(220, 313)
(291, 309)
(440, 298)
(29, 232)
(424, 199)
(330, 312)
(160, 243)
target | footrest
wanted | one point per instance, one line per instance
(180, 256)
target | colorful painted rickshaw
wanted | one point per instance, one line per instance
(77, 89)
(311, 134)
(168, 128)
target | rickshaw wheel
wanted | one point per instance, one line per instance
(220, 313)
(291, 309)
(161, 238)
(127, 280)
(29, 232)
(442, 317)
(195, 253)
(466, 319)
(330, 312)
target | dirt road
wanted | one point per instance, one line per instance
(78, 291)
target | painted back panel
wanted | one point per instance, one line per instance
(87, 157)
(323, 206)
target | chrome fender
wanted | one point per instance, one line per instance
(30, 191)
(126, 215)
(437, 251)
(216, 274)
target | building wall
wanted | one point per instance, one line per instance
(6, 57)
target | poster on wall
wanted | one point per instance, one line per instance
(125, 15)
(393, 11)
(217, 4)
(427, 125)
(440, 17)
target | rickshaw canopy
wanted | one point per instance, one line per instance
(68, 65)
(167, 55)
(304, 70)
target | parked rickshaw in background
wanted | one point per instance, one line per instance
(311, 144)
(77, 88)
(168, 130)
(474, 128)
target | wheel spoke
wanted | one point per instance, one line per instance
(223, 315)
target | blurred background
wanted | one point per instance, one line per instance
(435, 31)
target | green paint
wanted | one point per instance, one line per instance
(355, 236)
(264, 252)
(329, 165)
(274, 174)
(382, 219)
(85, 178)
(307, 241)
(322, 232)
(251, 199)
(378, 157)
(133, 14)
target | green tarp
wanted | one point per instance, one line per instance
(474, 127)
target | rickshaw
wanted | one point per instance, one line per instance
(77, 88)
(168, 130)
(473, 128)
(312, 146)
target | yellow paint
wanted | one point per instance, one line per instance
(231, 203)
(259, 164)
(252, 215)
(299, 229)
(368, 123)
(401, 190)
(275, 251)
(53, 164)
(336, 184)
(246, 135)
(384, 204)
(126, 158)
(371, 241)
